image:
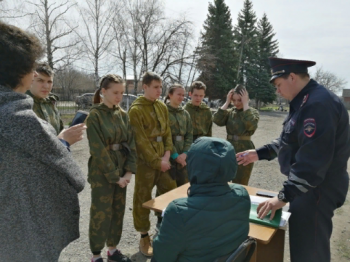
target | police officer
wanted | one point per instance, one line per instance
(312, 151)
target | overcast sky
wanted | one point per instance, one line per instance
(317, 30)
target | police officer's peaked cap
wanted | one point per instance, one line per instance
(281, 66)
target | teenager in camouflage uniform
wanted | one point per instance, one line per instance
(150, 122)
(241, 122)
(45, 105)
(200, 113)
(112, 162)
(181, 131)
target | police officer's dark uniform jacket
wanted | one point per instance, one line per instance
(312, 151)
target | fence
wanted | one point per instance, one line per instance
(70, 94)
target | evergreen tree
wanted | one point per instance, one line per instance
(246, 44)
(217, 62)
(267, 47)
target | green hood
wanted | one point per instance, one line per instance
(51, 97)
(173, 109)
(211, 160)
(103, 107)
(144, 102)
(201, 106)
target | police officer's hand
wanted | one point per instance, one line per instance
(164, 166)
(246, 157)
(122, 182)
(272, 204)
(181, 159)
(72, 134)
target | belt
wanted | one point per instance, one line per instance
(237, 138)
(156, 139)
(178, 138)
(115, 147)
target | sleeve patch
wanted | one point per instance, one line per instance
(309, 127)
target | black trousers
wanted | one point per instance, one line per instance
(310, 225)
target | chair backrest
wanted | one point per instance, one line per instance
(242, 254)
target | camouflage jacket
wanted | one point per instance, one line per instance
(239, 123)
(180, 125)
(45, 108)
(149, 121)
(201, 119)
(105, 127)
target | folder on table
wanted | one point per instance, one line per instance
(275, 222)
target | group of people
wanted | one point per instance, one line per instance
(165, 146)
(152, 141)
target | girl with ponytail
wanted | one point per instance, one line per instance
(110, 167)
(181, 130)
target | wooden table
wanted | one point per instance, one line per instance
(270, 240)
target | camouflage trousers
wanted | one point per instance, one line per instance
(106, 215)
(243, 174)
(181, 176)
(145, 179)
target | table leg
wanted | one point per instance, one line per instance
(273, 251)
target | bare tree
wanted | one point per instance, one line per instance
(51, 25)
(70, 81)
(98, 21)
(329, 80)
(11, 10)
(153, 42)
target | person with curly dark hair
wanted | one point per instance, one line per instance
(39, 181)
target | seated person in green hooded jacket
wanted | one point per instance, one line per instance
(214, 219)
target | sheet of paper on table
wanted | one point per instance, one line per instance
(285, 214)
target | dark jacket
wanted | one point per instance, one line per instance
(39, 185)
(214, 219)
(314, 146)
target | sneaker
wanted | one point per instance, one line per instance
(97, 260)
(117, 256)
(146, 246)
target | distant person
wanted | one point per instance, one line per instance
(200, 113)
(45, 105)
(313, 150)
(111, 165)
(241, 121)
(181, 131)
(214, 219)
(149, 118)
(39, 180)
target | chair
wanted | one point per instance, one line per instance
(242, 254)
